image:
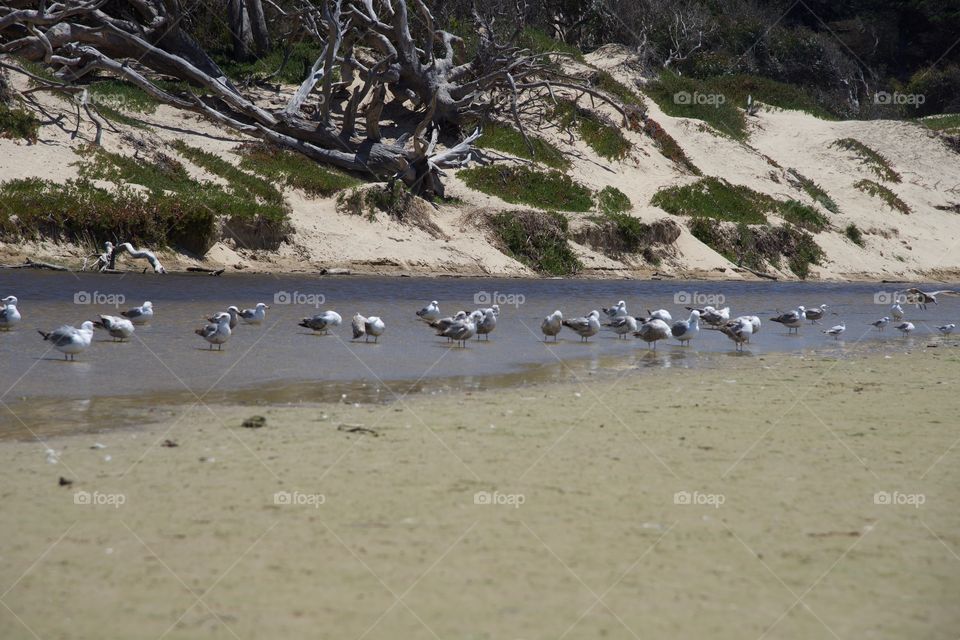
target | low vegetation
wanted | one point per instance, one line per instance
(121, 96)
(868, 157)
(755, 246)
(282, 65)
(854, 234)
(294, 170)
(240, 182)
(524, 185)
(597, 130)
(803, 216)
(687, 97)
(947, 123)
(393, 200)
(668, 147)
(813, 190)
(611, 200)
(877, 190)
(539, 42)
(717, 199)
(509, 140)
(605, 82)
(18, 124)
(538, 239)
(619, 234)
(738, 87)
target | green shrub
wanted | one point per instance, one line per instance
(668, 147)
(611, 200)
(716, 198)
(815, 191)
(605, 82)
(240, 182)
(753, 246)
(539, 42)
(940, 88)
(121, 96)
(805, 217)
(738, 87)
(523, 185)
(597, 131)
(867, 156)
(18, 124)
(302, 55)
(948, 123)
(683, 97)
(507, 139)
(394, 200)
(294, 170)
(538, 239)
(854, 234)
(801, 250)
(877, 190)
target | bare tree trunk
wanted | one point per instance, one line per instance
(258, 26)
(239, 24)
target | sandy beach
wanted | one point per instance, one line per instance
(768, 496)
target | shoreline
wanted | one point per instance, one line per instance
(467, 503)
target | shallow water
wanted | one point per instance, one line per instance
(114, 384)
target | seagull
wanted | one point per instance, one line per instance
(923, 298)
(551, 325)
(585, 326)
(117, 327)
(139, 315)
(653, 330)
(946, 329)
(217, 332)
(715, 317)
(881, 323)
(486, 323)
(836, 331)
(69, 340)
(623, 325)
(442, 324)
(686, 330)
(462, 330)
(9, 315)
(754, 323)
(905, 327)
(322, 322)
(234, 314)
(616, 311)
(660, 314)
(896, 311)
(255, 315)
(372, 326)
(815, 313)
(791, 319)
(739, 331)
(430, 312)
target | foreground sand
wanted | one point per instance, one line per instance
(784, 454)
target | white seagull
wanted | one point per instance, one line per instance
(551, 325)
(117, 327)
(234, 314)
(462, 330)
(585, 326)
(616, 311)
(485, 323)
(139, 315)
(322, 322)
(715, 317)
(946, 329)
(443, 324)
(896, 311)
(217, 332)
(836, 331)
(69, 340)
(791, 319)
(815, 313)
(686, 330)
(653, 330)
(372, 326)
(905, 327)
(9, 315)
(623, 325)
(739, 331)
(431, 312)
(660, 314)
(881, 323)
(256, 315)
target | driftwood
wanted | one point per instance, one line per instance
(212, 272)
(35, 264)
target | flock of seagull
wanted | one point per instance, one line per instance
(462, 326)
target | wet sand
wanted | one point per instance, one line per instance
(589, 535)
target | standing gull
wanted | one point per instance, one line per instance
(836, 331)
(739, 331)
(139, 315)
(905, 327)
(791, 319)
(686, 330)
(69, 340)
(946, 329)
(715, 317)
(117, 327)
(815, 313)
(653, 330)
(322, 322)
(431, 312)
(623, 325)
(366, 327)
(585, 326)
(443, 324)
(462, 330)
(616, 311)
(551, 325)
(660, 314)
(486, 324)
(234, 314)
(896, 311)
(256, 315)
(9, 315)
(217, 332)
(881, 323)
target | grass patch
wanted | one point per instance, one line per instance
(302, 55)
(241, 183)
(539, 42)
(605, 82)
(948, 122)
(538, 239)
(505, 138)
(611, 200)
(754, 246)
(803, 216)
(523, 185)
(597, 131)
(867, 156)
(122, 96)
(877, 190)
(683, 97)
(18, 124)
(716, 199)
(668, 147)
(294, 170)
(118, 117)
(619, 234)
(854, 234)
(738, 87)
(392, 199)
(815, 191)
